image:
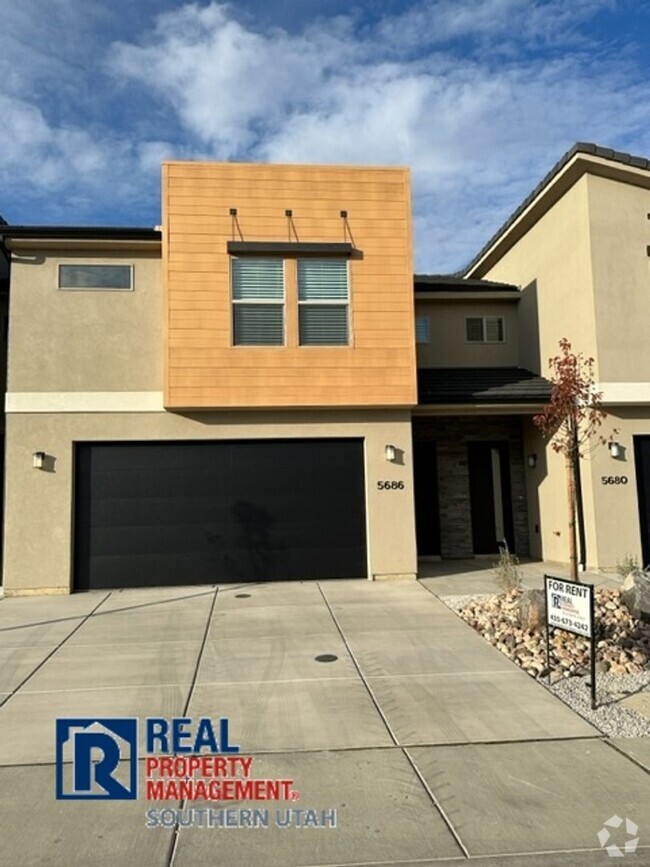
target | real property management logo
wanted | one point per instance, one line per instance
(97, 759)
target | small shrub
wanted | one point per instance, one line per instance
(628, 564)
(506, 570)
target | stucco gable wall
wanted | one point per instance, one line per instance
(620, 235)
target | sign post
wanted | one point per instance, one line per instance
(570, 606)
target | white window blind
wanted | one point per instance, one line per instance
(484, 329)
(258, 302)
(474, 329)
(422, 329)
(323, 300)
(493, 329)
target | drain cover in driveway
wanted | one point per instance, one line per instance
(326, 657)
(242, 596)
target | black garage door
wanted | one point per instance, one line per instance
(150, 514)
(642, 462)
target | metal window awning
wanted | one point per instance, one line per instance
(288, 248)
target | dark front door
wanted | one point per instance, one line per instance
(642, 463)
(427, 507)
(168, 513)
(490, 496)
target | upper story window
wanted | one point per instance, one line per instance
(116, 278)
(258, 301)
(485, 329)
(323, 302)
(422, 329)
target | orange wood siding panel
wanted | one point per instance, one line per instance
(202, 367)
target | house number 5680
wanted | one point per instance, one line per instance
(613, 480)
(390, 486)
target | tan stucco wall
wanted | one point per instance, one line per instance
(616, 505)
(585, 272)
(620, 235)
(552, 263)
(84, 340)
(39, 504)
(448, 347)
(548, 504)
(611, 511)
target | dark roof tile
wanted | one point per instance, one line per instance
(455, 283)
(130, 233)
(481, 385)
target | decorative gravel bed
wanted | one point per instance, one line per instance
(622, 654)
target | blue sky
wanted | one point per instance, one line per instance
(479, 97)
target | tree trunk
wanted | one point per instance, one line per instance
(571, 493)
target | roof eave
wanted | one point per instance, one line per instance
(580, 160)
(479, 408)
(79, 237)
(468, 296)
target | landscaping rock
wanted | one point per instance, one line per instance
(635, 594)
(623, 641)
(531, 610)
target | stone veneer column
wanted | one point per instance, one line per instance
(451, 435)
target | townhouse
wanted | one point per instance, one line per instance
(259, 389)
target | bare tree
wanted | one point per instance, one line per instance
(572, 421)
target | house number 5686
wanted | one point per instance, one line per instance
(390, 486)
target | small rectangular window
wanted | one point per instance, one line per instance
(258, 302)
(118, 278)
(422, 329)
(484, 329)
(323, 302)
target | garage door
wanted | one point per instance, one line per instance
(642, 462)
(159, 513)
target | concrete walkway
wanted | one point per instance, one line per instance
(430, 745)
(457, 577)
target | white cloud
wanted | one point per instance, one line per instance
(477, 133)
(479, 97)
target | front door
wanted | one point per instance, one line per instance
(490, 496)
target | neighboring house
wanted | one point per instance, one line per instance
(256, 392)
(579, 248)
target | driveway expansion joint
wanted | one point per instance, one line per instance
(53, 651)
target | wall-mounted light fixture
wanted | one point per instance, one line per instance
(233, 212)
(344, 215)
(390, 453)
(288, 213)
(38, 460)
(531, 460)
(615, 449)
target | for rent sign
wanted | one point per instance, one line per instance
(569, 605)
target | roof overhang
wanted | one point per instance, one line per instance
(289, 248)
(478, 409)
(580, 160)
(18, 238)
(468, 296)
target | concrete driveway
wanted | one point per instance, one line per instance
(429, 745)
